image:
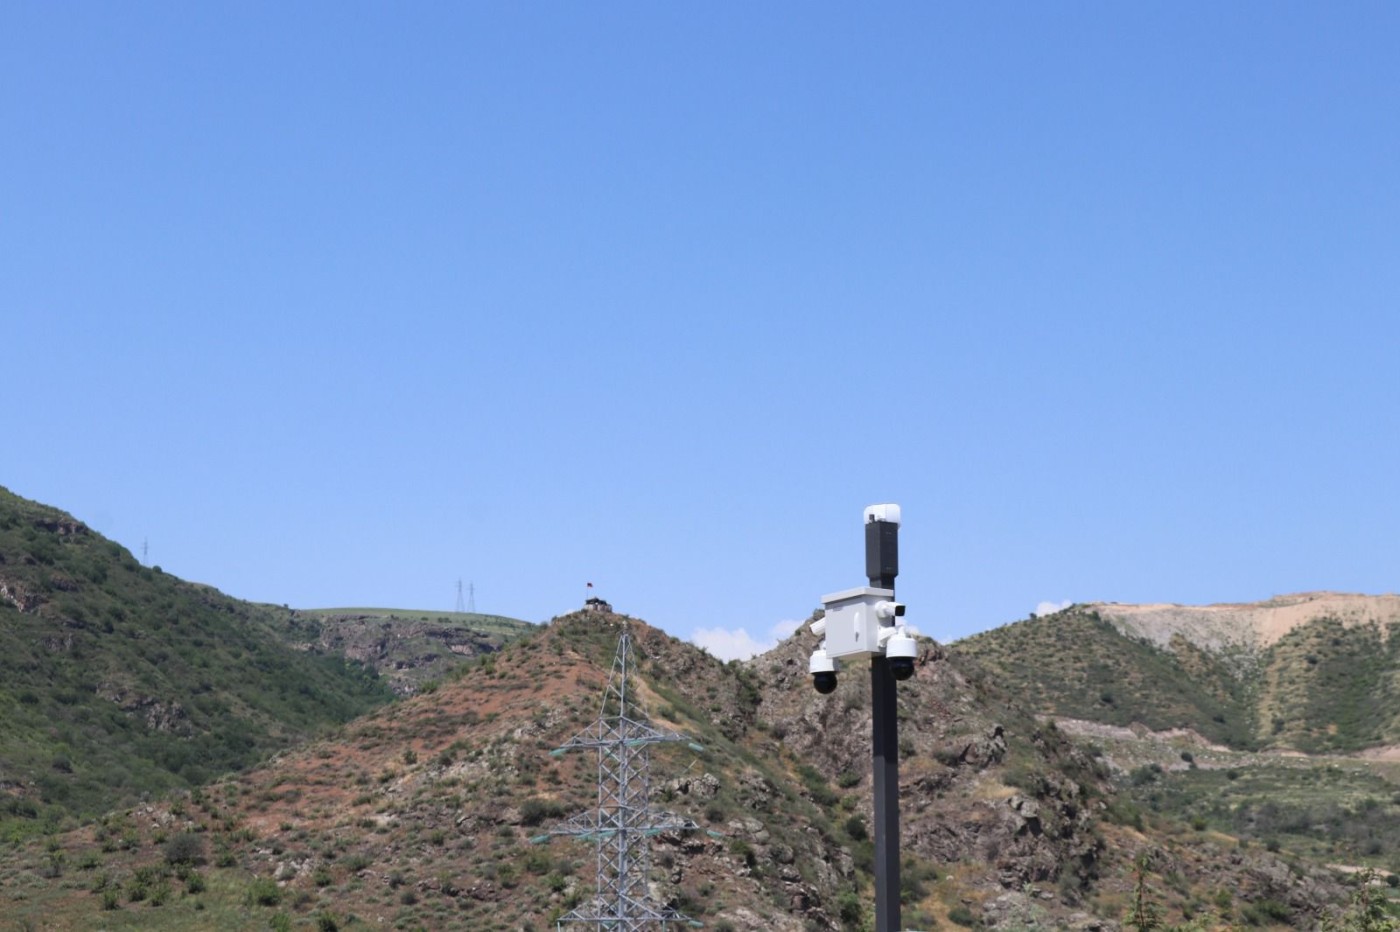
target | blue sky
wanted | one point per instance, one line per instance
(335, 304)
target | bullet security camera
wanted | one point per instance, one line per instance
(887, 609)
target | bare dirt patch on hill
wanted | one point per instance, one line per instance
(1254, 625)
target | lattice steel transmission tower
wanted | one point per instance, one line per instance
(623, 823)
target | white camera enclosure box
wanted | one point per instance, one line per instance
(852, 624)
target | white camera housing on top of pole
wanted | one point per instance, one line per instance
(887, 513)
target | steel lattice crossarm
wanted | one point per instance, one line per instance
(627, 915)
(622, 731)
(590, 827)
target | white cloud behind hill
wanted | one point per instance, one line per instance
(739, 643)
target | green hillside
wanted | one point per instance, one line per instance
(1077, 665)
(1325, 685)
(118, 680)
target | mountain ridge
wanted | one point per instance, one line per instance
(420, 813)
(118, 680)
(1247, 624)
(1313, 672)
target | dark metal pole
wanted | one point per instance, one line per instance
(885, 733)
(882, 566)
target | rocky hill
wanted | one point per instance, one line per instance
(408, 649)
(1313, 672)
(423, 814)
(118, 680)
(1067, 772)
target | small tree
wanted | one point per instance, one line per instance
(1367, 912)
(1144, 914)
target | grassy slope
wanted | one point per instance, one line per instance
(118, 680)
(1329, 687)
(1322, 687)
(1328, 810)
(1075, 664)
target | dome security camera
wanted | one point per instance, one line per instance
(823, 670)
(900, 652)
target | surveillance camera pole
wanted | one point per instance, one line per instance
(866, 622)
(881, 567)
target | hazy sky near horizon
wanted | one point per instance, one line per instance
(339, 303)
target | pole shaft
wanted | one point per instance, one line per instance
(881, 567)
(885, 760)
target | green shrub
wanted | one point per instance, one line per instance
(159, 892)
(184, 848)
(913, 879)
(1266, 913)
(962, 916)
(535, 810)
(357, 862)
(263, 891)
(850, 908)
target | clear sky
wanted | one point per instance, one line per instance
(337, 303)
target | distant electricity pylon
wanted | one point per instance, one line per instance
(469, 605)
(624, 822)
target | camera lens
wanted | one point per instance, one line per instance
(826, 682)
(902, 667)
